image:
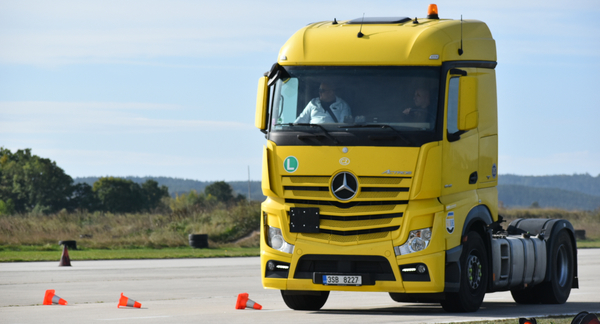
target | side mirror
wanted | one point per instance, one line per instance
(260, 120)
(468, 115)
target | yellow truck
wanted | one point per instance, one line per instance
(381, 166)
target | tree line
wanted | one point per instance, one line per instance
(29, 183)
(179, 186)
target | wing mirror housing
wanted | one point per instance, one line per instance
(468, 114)
(260, 120)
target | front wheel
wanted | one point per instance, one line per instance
(473, 277)
(305, 300)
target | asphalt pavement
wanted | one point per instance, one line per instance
(205, 290)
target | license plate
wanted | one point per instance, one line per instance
(342, 280)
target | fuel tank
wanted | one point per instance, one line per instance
(518, 261)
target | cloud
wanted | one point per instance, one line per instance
(96, 117)
(75, 32)
(128, 159)
(121, 163)
(99, 46)
(37, 107)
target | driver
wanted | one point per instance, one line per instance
(421, 111)
(327, 108)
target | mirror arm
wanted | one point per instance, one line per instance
(277, 72)
(458, 72)
(453, 137)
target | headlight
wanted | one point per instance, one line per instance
(276, 241)
(417, 241)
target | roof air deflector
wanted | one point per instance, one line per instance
(379, 20)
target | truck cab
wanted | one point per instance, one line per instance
(381, 167)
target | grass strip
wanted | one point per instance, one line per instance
(587, 244)
(124, 254)
(20, 253)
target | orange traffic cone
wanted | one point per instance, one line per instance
(125, 301)
(243, 301)
(51, 298)
(64, 258)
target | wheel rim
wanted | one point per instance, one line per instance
(562, 265)
(474, 272)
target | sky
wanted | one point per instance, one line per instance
(168, 88)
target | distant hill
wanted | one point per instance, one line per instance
(179, 186)
(578, 191)
(513, 196)
(584, 183)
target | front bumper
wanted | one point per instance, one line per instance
(375, 262)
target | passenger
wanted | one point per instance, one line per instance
(327, 108)
(421, 112)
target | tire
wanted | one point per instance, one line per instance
(309, 300)
(558, 289)
(398, 297)
(527, 296)
(473, 277)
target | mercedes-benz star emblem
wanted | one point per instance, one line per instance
(344, 186)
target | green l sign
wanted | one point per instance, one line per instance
(290, 164)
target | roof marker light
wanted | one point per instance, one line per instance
(432, 12)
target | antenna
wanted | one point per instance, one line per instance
(460, 50)
(360, 34)
(334, 22)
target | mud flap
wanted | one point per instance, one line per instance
(452, 275)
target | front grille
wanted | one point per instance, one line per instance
(390, 187)
(345, 205)
(359, 218)
(372, 214)
(306, 188)
(360, 232)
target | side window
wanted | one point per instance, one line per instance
(453, 105)
(284, 98)
(274, 102)
(289, 99)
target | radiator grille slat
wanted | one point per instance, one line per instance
(372, 215)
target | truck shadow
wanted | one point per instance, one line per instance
(488, 309)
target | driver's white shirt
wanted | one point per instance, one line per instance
(314, 113)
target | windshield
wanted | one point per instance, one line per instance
(355, 105)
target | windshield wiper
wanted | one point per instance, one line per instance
(325, 132)
(376, 126)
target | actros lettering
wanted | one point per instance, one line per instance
(397, 172)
